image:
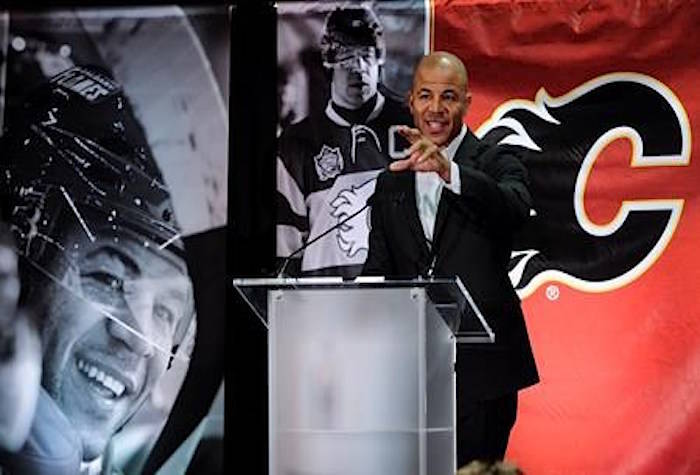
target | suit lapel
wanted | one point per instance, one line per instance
(409, 209)
(443, 212)
(404, 204)
(467, 150)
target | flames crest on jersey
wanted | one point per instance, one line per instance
(328, 162)
(353, 236)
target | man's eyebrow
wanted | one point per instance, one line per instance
(113, 252)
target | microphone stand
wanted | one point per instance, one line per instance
(284, 265)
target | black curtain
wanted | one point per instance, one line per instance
(251, 243)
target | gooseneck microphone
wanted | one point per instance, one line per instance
(431, 268)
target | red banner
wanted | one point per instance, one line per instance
(604, 96)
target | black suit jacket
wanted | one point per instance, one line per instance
(473, 240)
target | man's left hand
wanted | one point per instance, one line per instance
(423, 155)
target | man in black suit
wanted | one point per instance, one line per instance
(450, 208)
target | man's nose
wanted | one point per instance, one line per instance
(435, 105)
(358, 64)
(129, 326)
(362, 62)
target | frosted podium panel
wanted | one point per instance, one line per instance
(361, 373)
(349, 371)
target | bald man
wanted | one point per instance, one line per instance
(450, 208)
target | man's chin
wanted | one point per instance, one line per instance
(94, 434)
(355, 101)
(95, 415)
(360, 93)
(438, 138)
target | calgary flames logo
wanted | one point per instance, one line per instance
(562, 137)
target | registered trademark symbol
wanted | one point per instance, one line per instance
(552, 292)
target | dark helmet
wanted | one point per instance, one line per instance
(351, 26)
(73, 158)
(74, 151)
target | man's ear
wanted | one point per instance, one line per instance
(467, 101)
(409, 100)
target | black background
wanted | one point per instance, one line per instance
(251, 241)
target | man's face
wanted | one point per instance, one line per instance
(355, 76)
(438, 102)
(96, 369)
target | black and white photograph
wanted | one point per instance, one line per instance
(113, 155)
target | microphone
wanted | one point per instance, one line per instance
(370, 201)
(431, 268)
(432, 245)
(426, 269)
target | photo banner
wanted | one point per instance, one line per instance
(603, 97)
(114, 161)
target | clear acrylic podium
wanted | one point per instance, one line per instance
(361, 373)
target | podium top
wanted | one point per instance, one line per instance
(447, 295)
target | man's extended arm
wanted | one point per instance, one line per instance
(495, 188)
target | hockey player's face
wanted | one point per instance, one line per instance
(108, 332)
(438, 101)
(355, 76)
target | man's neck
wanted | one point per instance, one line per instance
(359, 115)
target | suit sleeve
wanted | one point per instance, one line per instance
(496, 189)
(378, 258)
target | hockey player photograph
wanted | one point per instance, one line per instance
(349, 67)
(100, 195)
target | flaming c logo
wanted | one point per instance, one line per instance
(561, 138)
(353, 236)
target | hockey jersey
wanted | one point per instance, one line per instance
(326, 171)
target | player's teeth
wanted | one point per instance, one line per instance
(115, 386)
(98, 375)
(119, 388)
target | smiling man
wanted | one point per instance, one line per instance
(107, 338)
(467, 198)
(102, 266)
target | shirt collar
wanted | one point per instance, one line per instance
(452, 147)
(93, 467)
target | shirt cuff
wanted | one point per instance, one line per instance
(455, 185)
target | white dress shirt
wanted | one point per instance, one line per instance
(429, 187)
